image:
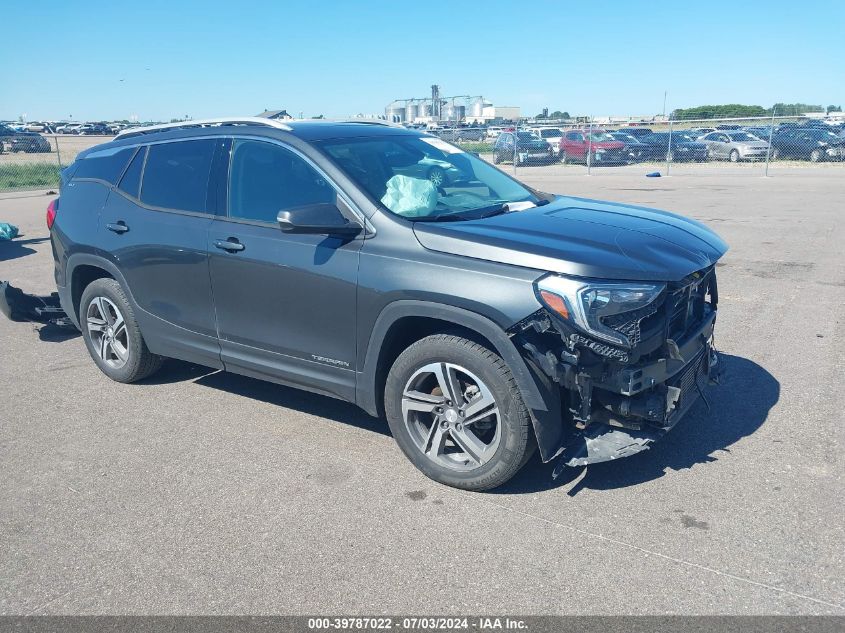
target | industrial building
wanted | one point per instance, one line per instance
(438, 109)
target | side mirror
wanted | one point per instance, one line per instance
(318, 219)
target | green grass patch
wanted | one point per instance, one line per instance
(29, 176)
(479, 147)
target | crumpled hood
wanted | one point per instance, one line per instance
(586, 238)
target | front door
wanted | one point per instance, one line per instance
(285, 303)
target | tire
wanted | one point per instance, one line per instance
(775, 155)
(815, 156)
(428, 428)
(563, 158)
(497, 160)
(117, 347)
(734, 156)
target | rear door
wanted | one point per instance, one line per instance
(155, 227)
(285, 303)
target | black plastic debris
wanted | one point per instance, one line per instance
(17, 305)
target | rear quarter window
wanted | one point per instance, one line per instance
(106, 165)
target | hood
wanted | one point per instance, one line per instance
(585, 238)
(608, 144)
(532, 144)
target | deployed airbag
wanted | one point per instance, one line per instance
(410, 197)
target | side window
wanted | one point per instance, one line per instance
(131, 181)
(176, 175)
(266, 178)
(105, 165)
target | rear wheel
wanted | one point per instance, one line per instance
(112, 335)
(496, 158)
(455, 411)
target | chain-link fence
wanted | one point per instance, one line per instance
(758, 144)
(32, 156)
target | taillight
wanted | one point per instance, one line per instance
(51, 212)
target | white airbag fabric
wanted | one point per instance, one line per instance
(410, 197)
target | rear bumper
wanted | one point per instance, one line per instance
(66, 301)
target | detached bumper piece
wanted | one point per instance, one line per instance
(17, 305)
(612, 436)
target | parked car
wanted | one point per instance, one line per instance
(760, 131)
(34, 126)
(681, 147)
(636, 131)
(493, 132)
(813, 144)
(635, 149)
(595, 146)
(735, 146)
(481, 322)
(15, 141)
(71, 128)
(698, 132)
(529, 148)
(551, 135)
(94, 129)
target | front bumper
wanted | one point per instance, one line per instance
(605, 441)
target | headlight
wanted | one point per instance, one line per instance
(587, 304)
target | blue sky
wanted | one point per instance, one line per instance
(160, 60)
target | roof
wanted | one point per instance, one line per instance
(274, 114)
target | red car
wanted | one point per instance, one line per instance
(602, 147)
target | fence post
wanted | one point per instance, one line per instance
(669, 148)
(590, 147)
(58, 151)
(769, 150)
(515, 145)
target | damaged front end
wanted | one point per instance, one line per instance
(628, 360)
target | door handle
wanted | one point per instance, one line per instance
(118, 227)
(230, 245)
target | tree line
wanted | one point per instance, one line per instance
(738, 110)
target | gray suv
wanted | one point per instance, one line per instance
(483, 319)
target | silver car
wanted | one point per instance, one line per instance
(734, 145)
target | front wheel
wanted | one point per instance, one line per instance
(497, 160)
(112, 335)
(816, 155)
(455, 411)
(734, 157)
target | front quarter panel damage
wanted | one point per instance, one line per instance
(615, 402)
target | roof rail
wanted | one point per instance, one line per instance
(367, 121)
(244, 120)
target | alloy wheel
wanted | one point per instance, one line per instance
(107, 329)
(451, 416)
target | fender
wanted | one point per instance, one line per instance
(89, 259)
(541, 397)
